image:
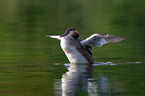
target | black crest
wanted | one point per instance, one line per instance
(70, 29)
(67, 31)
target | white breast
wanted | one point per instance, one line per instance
(73, 55)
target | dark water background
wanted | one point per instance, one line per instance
(30, 63)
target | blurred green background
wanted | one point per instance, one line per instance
(27, 57)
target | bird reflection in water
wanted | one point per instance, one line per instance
(78, 81)
(75, 81)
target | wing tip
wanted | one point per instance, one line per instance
(124, 38)
(116, 39)
(54, 36)
(47, 35)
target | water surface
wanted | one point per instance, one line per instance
(32, 65)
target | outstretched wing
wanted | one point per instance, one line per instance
(54, 36)
(100, 39)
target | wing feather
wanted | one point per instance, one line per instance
(85, 53)
(100, 39)
(83, 50)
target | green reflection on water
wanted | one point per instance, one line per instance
(29, 79)
(125, 80)
(27, 56)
